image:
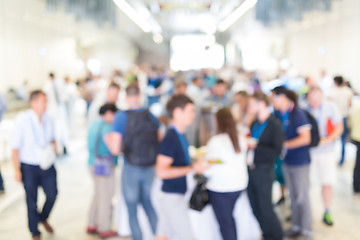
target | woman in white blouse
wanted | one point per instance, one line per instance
(228, 177)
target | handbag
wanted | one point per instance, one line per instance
(46, 157)
(200, 196)
(103, 164)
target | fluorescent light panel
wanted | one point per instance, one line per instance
(236, 14)
(133, 15)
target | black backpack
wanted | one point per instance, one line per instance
(140, 142)
(315, 134)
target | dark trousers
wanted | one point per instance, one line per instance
(343, 141)
(33, 177)
(357, 169)
(260, 195)
(223, 205)
(2, 188)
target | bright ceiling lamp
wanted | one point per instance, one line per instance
(236, 14)
(133, 15)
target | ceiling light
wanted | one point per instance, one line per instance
(158, 38)
(236, 14)
(133, 15)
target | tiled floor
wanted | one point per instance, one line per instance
(70, 213)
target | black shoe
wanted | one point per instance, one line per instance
(65, 151)
(280, 202)
(292, 233)
(288, 218)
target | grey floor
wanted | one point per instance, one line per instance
(70, 213)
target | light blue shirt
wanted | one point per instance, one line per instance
(30, 136)
(92, 138)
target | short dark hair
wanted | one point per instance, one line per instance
(280, 90)
(114, 85)
(108, 107)
(133, 90)
(52, 75)
(339, 80)
(220, 81)
(260, 96)
(291, 95)
(35, 94)
(177, 101)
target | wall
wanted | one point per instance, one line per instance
(329, 41)
(34, 42)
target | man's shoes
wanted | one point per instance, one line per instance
(108, 234)
(91, 230)
(2, 191)
(328, 219)
(292, 233)
(47, 227)
(36, 238)
(280, 202)
(288, 218)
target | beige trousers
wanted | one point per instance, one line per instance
(101, 208)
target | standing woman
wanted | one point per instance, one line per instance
(266, 131)
(227, 175)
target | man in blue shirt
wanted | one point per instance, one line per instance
(135, 133)
(296, 159)
(172, 165)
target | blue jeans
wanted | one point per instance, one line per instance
(223, 205)
(136, 186)
(343, 141)
(33, 177)
(2, 188)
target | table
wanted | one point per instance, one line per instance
(205, 226)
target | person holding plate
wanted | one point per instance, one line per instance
(227, 175)
(266, 143)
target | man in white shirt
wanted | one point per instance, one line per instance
(323, 158)
(33, 136)
(111, 96)
(3, 107)
(342, 96)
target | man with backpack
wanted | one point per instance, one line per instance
(296, 155)
(135, 133)
(323, 157)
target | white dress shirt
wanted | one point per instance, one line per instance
(30, 136)
(231, 175)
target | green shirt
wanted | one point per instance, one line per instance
(92, 138)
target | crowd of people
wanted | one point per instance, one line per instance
(148, 118)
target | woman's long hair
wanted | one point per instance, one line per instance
(226, 124)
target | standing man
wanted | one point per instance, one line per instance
(323, 157)
(33, 144)
(172, 166)
(110, 97)
(296, 160)
(342, 97)
(135, 132)
(54, 89)
(269, 138)
(3, 108)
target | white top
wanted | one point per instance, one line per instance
(327, 111)
(30, 135)
(232, 175)
(342, 96)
